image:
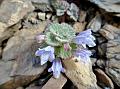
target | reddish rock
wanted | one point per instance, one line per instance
(55, 83)
(103, 79)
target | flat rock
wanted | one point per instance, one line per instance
(55, 83)
(20, 42)
(108, 5)
(103, 79)
(43, 5)
(7, 32)
(95, 23)
(113, 52)
(34, 87)
(21, 48)
(101, 63)
(80, 74)
(18, 81)
(11, 11)
(8, 82)
(79, 26)
(5, 69)
(110, 32)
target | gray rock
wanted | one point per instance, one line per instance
(7, 82)
(93, 60)
(108, 5)
(43, 5)
(0, 52)
(20, 42)
(20, 88)
(95, 23)
(11, 11)
(113, 54)
(102, 50)
(22, 47)
(34, 87)
(33, 21)
(5, 69)
(41, 16)
(110, 32)
(7, 32)
(101, 63)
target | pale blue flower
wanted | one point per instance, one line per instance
(83, 55)
(46, 54)
(85, 38)
(56, 68)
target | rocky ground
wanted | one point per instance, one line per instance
(22, 20)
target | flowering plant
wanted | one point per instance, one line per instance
(62, 44)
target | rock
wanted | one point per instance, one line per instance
(34, 87)
(2, 30)
(95, 23)
(5, 68)
(31, 21)
(55, 83)
(108, 5)
(20, 42)
(103, 79)
(50, 16)
(1, 1)
(82, 16)
(93, 60)
(99, 87)
(43, 5)
(20, 88)
(18, 81)
(79, 26)
(41, 16)
(21, 48)
(7, 82)
(102, 50)
(16, 11)
(101, 63)
(101, 39)
(24, 64)
(0, 52)
(113, 54)
(9, 31)
(80, 74)
(110, 32)
(11, 12)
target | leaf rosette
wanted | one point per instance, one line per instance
(59, 34)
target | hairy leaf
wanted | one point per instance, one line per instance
(63, 32)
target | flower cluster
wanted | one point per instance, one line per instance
(62, 43)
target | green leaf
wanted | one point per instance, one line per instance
(63, 32)
(73, 46)
(50, 39)
(60, 52)
(60, 7)
(73, 11)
